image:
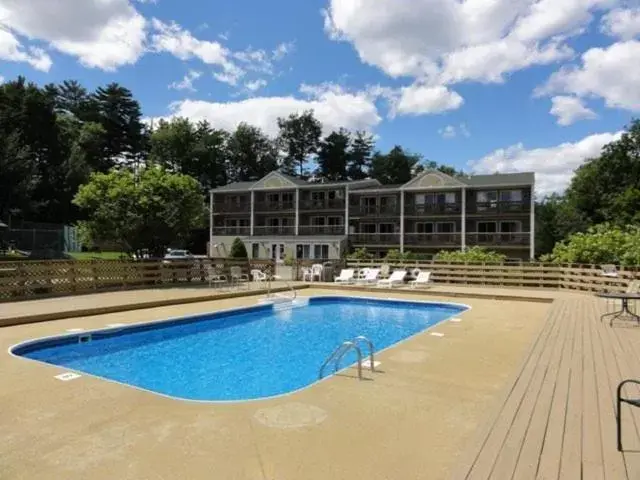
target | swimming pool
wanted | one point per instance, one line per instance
(241, 354)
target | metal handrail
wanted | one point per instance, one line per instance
(295, 292)
(337, 355)
(362, 338)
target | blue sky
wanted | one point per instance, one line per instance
(484, 85)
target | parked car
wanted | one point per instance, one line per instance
(177, 255)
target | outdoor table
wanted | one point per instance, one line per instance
(624, 311)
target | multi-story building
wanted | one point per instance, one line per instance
(280, 216)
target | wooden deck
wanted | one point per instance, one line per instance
(557, 417)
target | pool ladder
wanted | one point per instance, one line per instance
(343, 349)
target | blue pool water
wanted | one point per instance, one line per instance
(242, 354)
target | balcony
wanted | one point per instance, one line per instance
(433, 209)
(274, 230)
(274, 206)
(374, 210)
(222, 231)
(500, 207)
(231, 208)
(375, 238)
(433, 239)
(321, 230)
(499, 239)
(327, 204)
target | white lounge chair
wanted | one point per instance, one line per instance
(609, 271)
(371, 276)
(258, 276)
(423, 278)
(346, 276)
(396, 278)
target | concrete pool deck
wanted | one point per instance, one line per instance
(433, 411)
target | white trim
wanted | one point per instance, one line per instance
(463, 221)
(253, 201)
(211, 224)
(297, 200)
(401, 221)
(532, 225)
(346, 210)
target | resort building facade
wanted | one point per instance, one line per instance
(280, 216)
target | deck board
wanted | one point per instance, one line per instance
(557, 418)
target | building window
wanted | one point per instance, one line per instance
(287, 197)
(510, 227)
(303, 252)
(446, 227)
(424, 227)
(318, 221)
(368, 228)
(335, 221)
(273, 197)
(486, 200)
(486, 227)
(387, 228)
(511, 196)
(255, 250)
(317, 196)
(321, 252)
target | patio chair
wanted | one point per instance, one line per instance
(385, 270)
(215, 277)
(396, 278)
(346, 276)
(258, 276)
(634, 402)
(237, 276)
(423, 278)
(316, 271)
(372, 276)
(609, 270)
(306, 274)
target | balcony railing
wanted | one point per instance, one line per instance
(428, 239)
(280, 230)
(321, 230)
(232, 208)
(327, 204)
(500, 207)
(433, 209)
(274, 206)
(376, 238)
(520, 238)
(231, 230)
(374, 210)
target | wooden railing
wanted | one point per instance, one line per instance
(586, 278)
(26, 279)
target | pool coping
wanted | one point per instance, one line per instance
(222, 313)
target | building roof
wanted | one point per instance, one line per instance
(427, 179)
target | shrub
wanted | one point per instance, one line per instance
(471, 255)
(394, 255)
(238, 250)
(602, 243)
(360, 254)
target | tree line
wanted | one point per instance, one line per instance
(52, 138)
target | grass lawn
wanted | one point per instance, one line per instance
(96, 255)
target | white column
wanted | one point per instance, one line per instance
(210, 223)
(463, 220)
(297, 209)
(401, 221)
(346, 210)
(251, 221)
(532, 225)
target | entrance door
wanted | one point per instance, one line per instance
(277, 252)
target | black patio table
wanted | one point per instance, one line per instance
(624, 311)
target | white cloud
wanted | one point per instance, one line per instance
(282, 50)
(448, 132)
(1, 79)
(612, 73)
(333, 106)
(255, 85)
(570, 109)
(104, 34)
(554, 166)
(623, 23)
(464, 130)
(422, 99)
(449, 41)
(187, 81)
(11, 50)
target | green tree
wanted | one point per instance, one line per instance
(604, 243)
(397, 166)
(298, 138)
(238, 250)
(359, 163)
(556, 219)
(333, 155)
(151, 210)
(251, 154)
(607, 188)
